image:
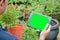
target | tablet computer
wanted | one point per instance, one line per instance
(38, 21)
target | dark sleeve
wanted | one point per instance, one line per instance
(4, 35)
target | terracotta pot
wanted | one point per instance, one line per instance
(16, 30)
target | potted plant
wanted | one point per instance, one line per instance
(10, 19)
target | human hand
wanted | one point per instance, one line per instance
(45, 32)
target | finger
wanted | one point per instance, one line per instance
(46, 27)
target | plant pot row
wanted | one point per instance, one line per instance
(17, 30)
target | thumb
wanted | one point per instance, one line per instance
(46, 27)
(49, 28)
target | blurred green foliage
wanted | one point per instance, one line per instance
(29, 34)
(42, 6)
(10, 16)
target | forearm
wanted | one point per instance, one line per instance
(41, 39)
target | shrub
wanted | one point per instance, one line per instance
(9, 17)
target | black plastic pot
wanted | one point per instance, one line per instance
(54, 30)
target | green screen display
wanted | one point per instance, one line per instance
(37, 21)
